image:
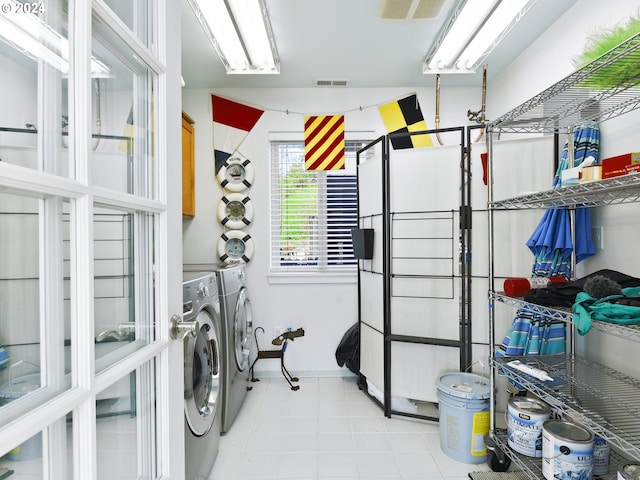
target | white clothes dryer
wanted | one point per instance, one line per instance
(235, 307)
(203, 373)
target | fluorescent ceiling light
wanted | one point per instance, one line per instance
(473, 31)
(240, 32)
(29, 34)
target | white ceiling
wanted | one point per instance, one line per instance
(345, 40)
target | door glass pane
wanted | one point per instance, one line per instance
(123, 274)
(29, 259)
(25, 459)
(122, 102)
(136, 14)
(34, 61)
(126, 427)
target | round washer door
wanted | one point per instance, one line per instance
(242, 330)
(202, 358)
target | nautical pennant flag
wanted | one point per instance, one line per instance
(232, 121)
(403, 116)
(324, 142)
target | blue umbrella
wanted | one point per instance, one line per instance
(552, 246)
(586, 143)
(550, 242)
(532, 334)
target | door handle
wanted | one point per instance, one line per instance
(178, 328)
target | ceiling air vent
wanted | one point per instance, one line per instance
(409, 9)
(332, 83)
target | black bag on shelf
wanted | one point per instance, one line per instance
(564, 294)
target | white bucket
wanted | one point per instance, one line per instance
(464, 416)
(567, 451)
(525, 417)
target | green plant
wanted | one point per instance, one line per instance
(621, 72)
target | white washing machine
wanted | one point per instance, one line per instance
(235, 307)
(203, 373)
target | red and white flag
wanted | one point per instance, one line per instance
(232, 121)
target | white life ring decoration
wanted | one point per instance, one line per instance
(235, 211)
(236, 174)
(235, 246)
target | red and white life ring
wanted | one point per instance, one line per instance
(235, 246)
(236, 174)
(235, 211)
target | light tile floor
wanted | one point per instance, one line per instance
(329, 429)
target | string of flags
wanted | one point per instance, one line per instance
(323, 134)
(324, 149)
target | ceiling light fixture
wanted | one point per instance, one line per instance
(241, 34)
(31, 35)
(474, 29)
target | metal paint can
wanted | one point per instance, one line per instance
(567, 451)
(629, 471)
(525, 417)
(601, 454)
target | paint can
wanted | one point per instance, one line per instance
(629, 471)
(567, 451)
(601, 454)
(525, 417)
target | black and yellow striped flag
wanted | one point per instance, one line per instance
(405, 116)
(324, 142)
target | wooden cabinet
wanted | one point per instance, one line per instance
(188, 166)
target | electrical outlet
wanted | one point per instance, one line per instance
(597, 236)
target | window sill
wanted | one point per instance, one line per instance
(312, 278)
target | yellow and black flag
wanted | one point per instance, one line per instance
(324, 142)
(405, 116)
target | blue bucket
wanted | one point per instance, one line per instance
(464, 415)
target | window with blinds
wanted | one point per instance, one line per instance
(312, 212)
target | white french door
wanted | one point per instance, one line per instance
(89, 138)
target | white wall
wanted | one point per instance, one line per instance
(324, 310)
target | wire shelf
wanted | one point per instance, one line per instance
(628, 332)
(595, 92)
(610, 191)
(603, 400)
(533, 466)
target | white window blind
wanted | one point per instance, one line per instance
(312, 212)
